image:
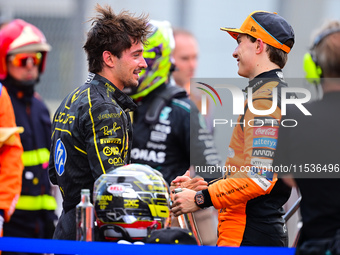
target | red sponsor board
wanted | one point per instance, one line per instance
(266, 131)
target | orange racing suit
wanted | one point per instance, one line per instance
(250, 199)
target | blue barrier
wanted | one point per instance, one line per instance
(86, 248)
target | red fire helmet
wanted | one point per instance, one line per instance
(18, 36)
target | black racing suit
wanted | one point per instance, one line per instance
(91, 135)
(176, 139)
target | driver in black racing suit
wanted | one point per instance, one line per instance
(91, 130)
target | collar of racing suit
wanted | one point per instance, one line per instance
(121, 98)
(262, 78)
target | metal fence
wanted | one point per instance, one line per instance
(65, 30)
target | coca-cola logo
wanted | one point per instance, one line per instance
(266, 131)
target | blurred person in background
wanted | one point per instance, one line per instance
(172, 134)
(11, 166)
(185, 55)
(249, 199)
(92, 132)
(23, 51)
(313, 145)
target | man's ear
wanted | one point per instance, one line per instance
(108, 59)
(259, 45)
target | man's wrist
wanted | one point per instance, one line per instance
(202, 199)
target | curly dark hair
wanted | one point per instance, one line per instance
(114, 33)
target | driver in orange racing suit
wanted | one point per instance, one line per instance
(250, 199)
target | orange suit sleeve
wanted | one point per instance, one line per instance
(11, 166)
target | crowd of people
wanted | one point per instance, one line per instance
(136, 109)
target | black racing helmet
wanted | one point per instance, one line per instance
(130, 202)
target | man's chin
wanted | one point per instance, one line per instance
(132, 84)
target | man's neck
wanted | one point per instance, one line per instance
(263, 64)
(107, 75)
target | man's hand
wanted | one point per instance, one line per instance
(179, 180)
(184, 202)
(184, 181)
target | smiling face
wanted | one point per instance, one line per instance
(245, 54)
(127, 68)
